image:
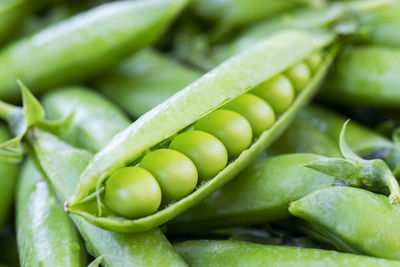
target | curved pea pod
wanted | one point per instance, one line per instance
(149, 248)
(357, 80)
(353, 220)
(236, 253)
(84, 45)
(95, 119)
(231, 79)
(8, 178)
(144, 81)
(95, 122)
(259, 194)
(45, 234)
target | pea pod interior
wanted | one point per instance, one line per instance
(231, 79)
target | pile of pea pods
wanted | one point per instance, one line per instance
(199, 133)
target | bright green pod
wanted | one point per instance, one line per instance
(46, 236)
(365, 76)
(95, 122)
(353, 220)
(259, 194)
(8, 178)
(231, 79)
(144, 81)
(95, 119)
(206, 253)
(83, 45)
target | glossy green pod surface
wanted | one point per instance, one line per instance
(237, 253)
(8, 178)
(83, 45)
(46, 236)
(365, 76)
(212, 90)
(95, 119)
(353, 220)
(95, 122)
(259, 194)
(144, 81)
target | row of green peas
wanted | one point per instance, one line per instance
(170, 174)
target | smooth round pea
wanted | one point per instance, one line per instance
(314, 61)
(132, 192)
(258, 112)
(205, 150)
(277, 91)
(300, 75)
(176, 174)
(230, 127)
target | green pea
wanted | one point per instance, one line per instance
(314, 61)
(299, 74)
(231, 128)
(278, 92)
(205, 150)
(258, 112)
(175, 173)
(133, 192)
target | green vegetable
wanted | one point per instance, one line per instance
(231, 79)
(206, 151)
(133, 192)
(352, 219)
(259, 194)
(176, 173)
(230, 127)
(8, 178)
(83, 45)
(45, 234)
(300, 75)
(237, 253)
(359, 81)
(258, 112)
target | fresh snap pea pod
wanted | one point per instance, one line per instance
(259, 194)
(8, 178)
(144, 81)
(353, 220)
(45, 234)
(358, 81)
(95, 122)
(95, 119)
(83, 45)
(262, 63)
(237, 253)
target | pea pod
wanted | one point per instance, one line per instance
(95, 122)
(259, 194)
(144, 81)
(352, 219)
(375, 84)
(236, 253)
(8, 178)
(231, 79)
(45, 234)
(107, 35)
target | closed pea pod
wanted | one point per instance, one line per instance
(195, 101)
(237, 253)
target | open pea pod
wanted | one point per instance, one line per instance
(206, 253)
(352, 219)
(231, 79)
(83, 45)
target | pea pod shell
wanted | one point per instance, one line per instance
(236, 253)
(83, 45)
(259, 194)
(45, 234)
(353, 220)
(138, 249)
(209, 92)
